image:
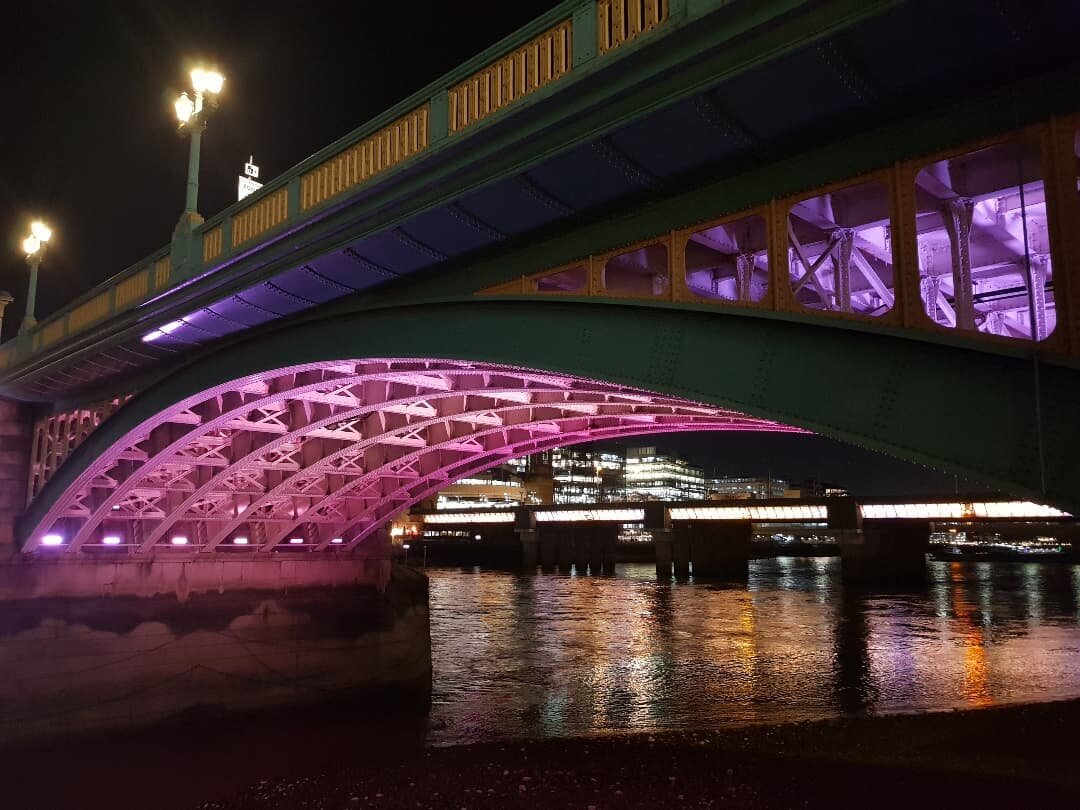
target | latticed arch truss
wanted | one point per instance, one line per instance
(330, 451)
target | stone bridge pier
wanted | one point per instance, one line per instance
(16, 428)
(87, 645)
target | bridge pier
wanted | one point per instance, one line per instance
(89, 644)
(680, 551)
(719, 550)
(665, 555)
(16, 430)
(565, 547)
(891, 551)
(530, 549)
(548, 551)
(595, 547)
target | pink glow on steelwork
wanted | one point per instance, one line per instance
(333, 450)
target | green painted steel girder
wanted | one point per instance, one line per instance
(954, 408)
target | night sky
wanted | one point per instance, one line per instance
(90, 144)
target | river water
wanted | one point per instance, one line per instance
(551, 656)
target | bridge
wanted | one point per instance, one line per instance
(878, 538)
(851, 217)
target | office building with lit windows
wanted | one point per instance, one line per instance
(586, 476)
(728, 488)
(652, 475)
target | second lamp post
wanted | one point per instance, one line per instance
(34, 247)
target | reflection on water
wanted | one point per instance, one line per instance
(518, 655)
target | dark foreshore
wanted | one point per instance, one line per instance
(1019, 756)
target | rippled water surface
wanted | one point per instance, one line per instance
(550, 655)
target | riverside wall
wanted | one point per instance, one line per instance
(90, 645)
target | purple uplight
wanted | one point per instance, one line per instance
(52, 540)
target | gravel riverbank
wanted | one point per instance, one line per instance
(1012, 757)
(1020, 756)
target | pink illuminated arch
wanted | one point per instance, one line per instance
(333, 450)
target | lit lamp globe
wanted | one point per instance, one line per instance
(207, 81)
(40, 231)
(185, 108)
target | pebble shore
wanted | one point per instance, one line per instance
(1019, 756)
(1015, 757)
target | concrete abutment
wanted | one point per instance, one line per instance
(91, 645)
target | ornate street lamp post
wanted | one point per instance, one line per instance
(34, 247)
(192, 114)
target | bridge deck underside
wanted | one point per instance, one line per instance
(319, 456)
(918, 55)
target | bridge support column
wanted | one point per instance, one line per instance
(886, 551)
(597, 536)
(665, 555)
(719, 550)
(658, 524)
(16, 430)
(680, 552)
(530, 549)
(565, 548)
(608, 551)
(548, 548)
(525, 526)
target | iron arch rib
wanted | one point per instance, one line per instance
(340, 446)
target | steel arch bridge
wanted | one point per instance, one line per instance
(315, 435)
(849, 216)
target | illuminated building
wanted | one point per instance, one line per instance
(742, 487)
(495, 488)
(586, 476)
(655, 476)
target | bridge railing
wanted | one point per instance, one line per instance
(531, 60)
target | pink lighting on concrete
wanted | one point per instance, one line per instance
(52, 540)
(336, 449)
(110, 540)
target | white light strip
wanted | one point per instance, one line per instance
(470, 517)
(959, 511)
(595, 515)
(800, 512)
